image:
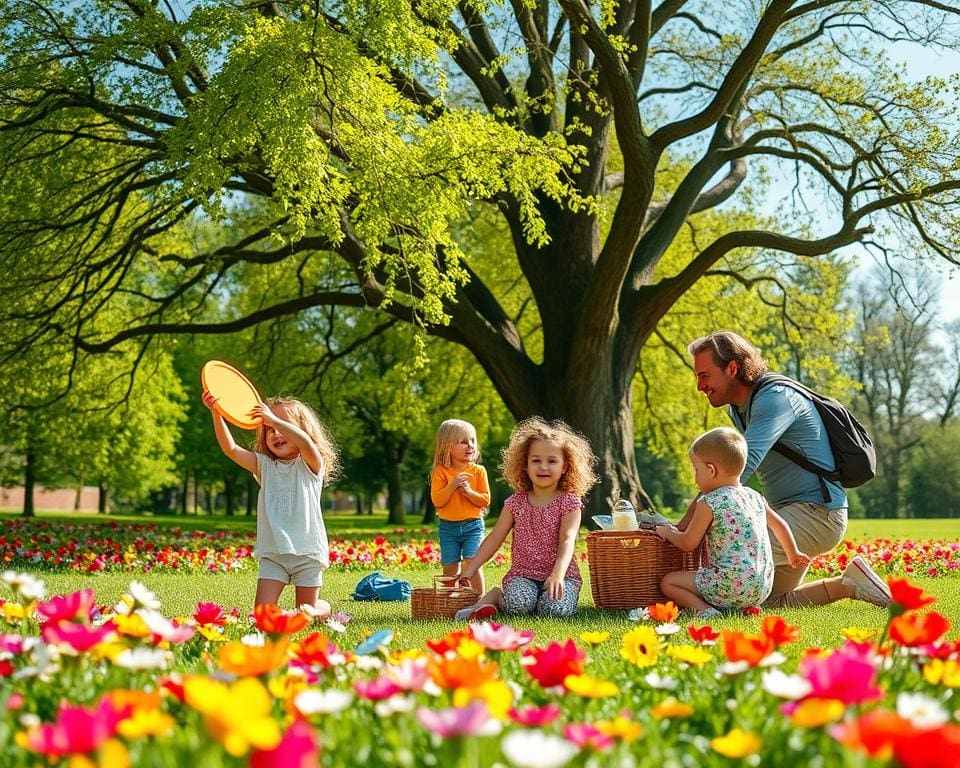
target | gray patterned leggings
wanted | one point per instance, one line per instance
(526, 596)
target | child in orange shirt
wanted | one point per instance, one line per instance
(461, 493)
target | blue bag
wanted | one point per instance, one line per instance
(375, 586)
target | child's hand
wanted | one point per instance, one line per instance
(463, 480)
(208, 399)
(266, 415)
(800, 560)
(554, 587)
(661, 531)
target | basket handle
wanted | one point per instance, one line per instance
(448, 585)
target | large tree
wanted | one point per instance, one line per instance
(369, 132)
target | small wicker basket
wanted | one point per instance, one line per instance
(442, 600)
(626, 567)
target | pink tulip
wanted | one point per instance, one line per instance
(846, 675)
(587, 736)
(535, 717)
(297, 749)
(466, 721)
(495, 637)
(77, 730)
(376, 690)
(80, 637)
(409, 674)
(74, 607)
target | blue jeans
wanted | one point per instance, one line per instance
(459, 539)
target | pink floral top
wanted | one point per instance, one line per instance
(536, 537)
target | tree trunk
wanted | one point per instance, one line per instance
(395, 512)
(185, 493)
(78, 498)
(358, 501)
(29, 481)
(229, 494)
(252, 492)
(429, 511)
(102, 499)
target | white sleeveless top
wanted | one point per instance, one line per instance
(289, 515)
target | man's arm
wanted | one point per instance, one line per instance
(771, 414)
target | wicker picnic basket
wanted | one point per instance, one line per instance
(626, 567)
(442, 600)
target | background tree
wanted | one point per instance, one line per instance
(367, 130)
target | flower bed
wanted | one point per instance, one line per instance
(125, 685)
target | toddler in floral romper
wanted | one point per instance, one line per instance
(734, 520)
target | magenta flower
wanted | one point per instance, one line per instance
(77, 730)
(550, 666)
(10, 643)
(535, 717)
(494, 637)
(297, 749)
(376, 690)
(466, 721)
(587, 736)
(80, 637)
(209, 613)
(846, 675)
(74, 607)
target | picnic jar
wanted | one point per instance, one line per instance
(624, 516)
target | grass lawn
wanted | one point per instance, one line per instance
(180, 593)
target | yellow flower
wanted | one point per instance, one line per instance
(736, 744)
(694, 655)
(211, 632)
(858, 634)
(468, 648)
(940, 672)
(590, 687)
(109, 650)
(145, 722)
(131, 626)
(407, 653)
(12, 612)
(813, 713)
(236, 716)
(620, 728)
(670, 707)
(111, 754)
(594, 638)
(285, 687)
(641, 646)
(496, 694)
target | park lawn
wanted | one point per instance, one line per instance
(180, 593)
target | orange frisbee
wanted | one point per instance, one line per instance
(236, 396)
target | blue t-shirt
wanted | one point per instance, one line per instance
(781, 414)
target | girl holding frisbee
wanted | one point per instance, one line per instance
(293, 456)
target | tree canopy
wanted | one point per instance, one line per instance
(353, 144)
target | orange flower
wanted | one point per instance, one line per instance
(252, 661)
(747, 646)
(912, 629)
(663, 612)
(779, 632)
(907, 597)
(458, 672)
(449, 642)
(315, 649)
(873, 733)
(122, 698)
(273, 621)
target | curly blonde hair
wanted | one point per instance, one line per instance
(306, 418)
(579, 476)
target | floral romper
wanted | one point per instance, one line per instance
(740, 568)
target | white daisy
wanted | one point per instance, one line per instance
(783, 686)
(535, 749)
(142, 658)
(316, 702)
(663, 683)
(143, 597)
(668, 628)
(921, 710)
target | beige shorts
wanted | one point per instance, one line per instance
(300, 570)
(817, 530)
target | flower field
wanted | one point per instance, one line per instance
(92, 685)
(137, 548)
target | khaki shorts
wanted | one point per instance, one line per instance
(816, 530)
(301, 570)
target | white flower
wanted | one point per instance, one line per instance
(143, 597)
(368, 662)
(733, 667)
(780, 684)
(922, 711)
(335, 626)
(662, 683)
(142, 658)
(395, 705)
(25, 585)
(774, 659)
(667, 629)
(638, 614)
(254, 640)
(535, 749)
(314, 702)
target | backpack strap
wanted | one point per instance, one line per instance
(823, 474)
